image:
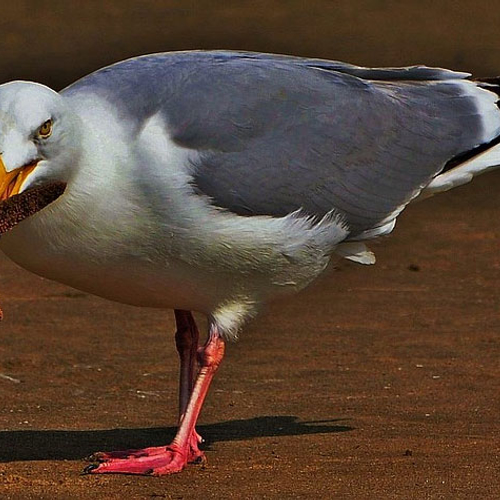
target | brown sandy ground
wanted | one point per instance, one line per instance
(379, 382)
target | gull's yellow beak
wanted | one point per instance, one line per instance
(11, 182)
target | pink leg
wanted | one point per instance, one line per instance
(184, 447)
(186, 341)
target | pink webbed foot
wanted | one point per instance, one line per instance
(171, 460)
(157, 460)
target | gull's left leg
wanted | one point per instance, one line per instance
(186, 341)
(174, 457)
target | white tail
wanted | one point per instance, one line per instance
(463, 173)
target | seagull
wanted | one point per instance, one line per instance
(215, 181)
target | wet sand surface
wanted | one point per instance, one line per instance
(377, 382)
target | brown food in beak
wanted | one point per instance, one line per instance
(18, 207)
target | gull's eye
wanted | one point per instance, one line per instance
(45, 129)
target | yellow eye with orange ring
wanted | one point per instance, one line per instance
(45, 129)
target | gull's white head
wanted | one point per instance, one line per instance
(39, 138)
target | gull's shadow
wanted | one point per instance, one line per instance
(72, 445)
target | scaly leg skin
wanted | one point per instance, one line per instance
(186, 341)
(184, 448)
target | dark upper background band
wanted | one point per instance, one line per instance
(58, 45)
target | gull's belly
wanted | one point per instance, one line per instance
(114, 268)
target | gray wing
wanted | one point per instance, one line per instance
(274, 134)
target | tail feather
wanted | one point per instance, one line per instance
(465, 167)
(464, 172)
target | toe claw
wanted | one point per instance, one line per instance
(90, 468)
(199, 460)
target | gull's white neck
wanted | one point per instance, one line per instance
(99, 236)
